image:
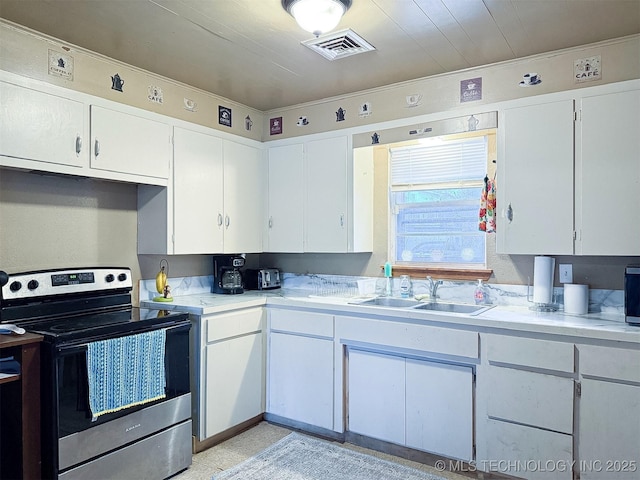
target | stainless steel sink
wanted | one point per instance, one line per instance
(453, 308)
(388, 302)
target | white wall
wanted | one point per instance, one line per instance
(48, 222)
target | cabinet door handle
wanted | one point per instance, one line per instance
(270, 222)
(226, 221)
(78, 144)
(509, 213)
(219, 219)
(96, 148)
(342, 219)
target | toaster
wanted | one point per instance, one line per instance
(262, 279)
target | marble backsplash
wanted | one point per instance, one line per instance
(605, 301)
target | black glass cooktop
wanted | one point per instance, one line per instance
(90, 326)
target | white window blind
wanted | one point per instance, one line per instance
(435, 194)
(453, 161)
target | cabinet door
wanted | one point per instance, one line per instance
(608, 175)
(535, 179)
(244, 177)
(376, 396)
(126, 143)
(440, 408)
(286, 199)
(301, 379)
(609, 431)
(233, 382)
(526, 452)
(42, 127)
(326, 200)
(198, 193)
(531, 398)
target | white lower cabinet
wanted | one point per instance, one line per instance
(233, 382)
(526, 452)
(525, 407)
(439, 408)
(300, 367)
(376, 396)
(231, 376)
(609, 424)
(417, 403)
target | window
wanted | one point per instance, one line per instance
(435, 190)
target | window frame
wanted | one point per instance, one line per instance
(440, 270)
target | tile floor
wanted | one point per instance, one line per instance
(248, 443)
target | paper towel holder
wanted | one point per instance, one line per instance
(541, 307)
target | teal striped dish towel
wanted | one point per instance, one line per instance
(126, 371)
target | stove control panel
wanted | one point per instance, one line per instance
(46, 283)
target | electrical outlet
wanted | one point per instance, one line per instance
(566, 273)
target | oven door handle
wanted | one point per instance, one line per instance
(65, 348)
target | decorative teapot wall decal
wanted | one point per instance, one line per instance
(117, 83)
(340, 115)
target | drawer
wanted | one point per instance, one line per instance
(544, 401)
(400, 335)
(607, 362)
(530, 352)
(526, 452)
(233, 324)
(305, 323)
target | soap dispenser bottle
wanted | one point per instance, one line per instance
(480, 294)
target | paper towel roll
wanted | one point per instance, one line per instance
(543, 268)
(576, 298)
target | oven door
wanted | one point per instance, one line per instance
(73, 437)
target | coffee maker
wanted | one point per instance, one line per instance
(226, 274)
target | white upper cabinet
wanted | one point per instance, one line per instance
(608, 175)
(41, 127)
(286, 199)
(198, 197)
(52, 129)
(245, 175)
(535, 179)
(128, 143)
(569, 173)
(214, 203)
(320, 198)
(326, 200)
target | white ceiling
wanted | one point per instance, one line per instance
(249, 51)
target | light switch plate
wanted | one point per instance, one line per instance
(566, 272)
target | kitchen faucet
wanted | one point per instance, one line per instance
(433, 287)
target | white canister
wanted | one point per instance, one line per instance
(576, 298)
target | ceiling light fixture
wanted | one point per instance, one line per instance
(317, 16)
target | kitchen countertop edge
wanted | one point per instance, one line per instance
(600, 326)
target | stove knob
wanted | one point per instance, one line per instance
(122, 277)
(15, 286)
(109, 278)
(32, 285)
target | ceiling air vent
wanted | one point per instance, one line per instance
(339, 44)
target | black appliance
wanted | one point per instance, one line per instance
(226, 274)
(262, 279)
(78, 310)
(632, 294)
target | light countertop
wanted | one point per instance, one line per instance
(600, 326)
